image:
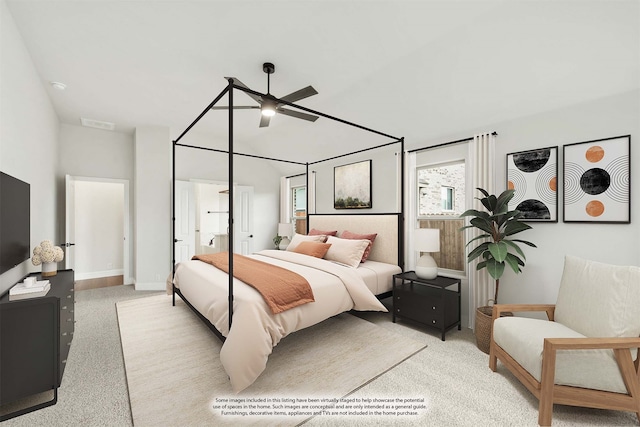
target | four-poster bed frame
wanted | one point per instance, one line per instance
(229, 90)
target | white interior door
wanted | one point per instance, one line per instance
(75, 233)
(243, 213)
(185, 223)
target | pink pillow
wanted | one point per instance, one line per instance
(371, 237)
(314, 232)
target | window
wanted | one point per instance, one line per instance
(447, 198)
(299, 205)
(441, 200)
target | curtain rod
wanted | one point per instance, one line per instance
(445, 144)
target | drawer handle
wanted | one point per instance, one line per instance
(68, 344)
(398, 310)
(70, 311)
(433, 321)
(69, 296)
(434, 307)
(64, 334)
(64, 361)
(69, 320)
(64, 308)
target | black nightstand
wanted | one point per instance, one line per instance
(427, 301)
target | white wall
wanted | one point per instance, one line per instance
(152, 207)
(28, 138)
(611, 243)
(99, 229)
(384, 185)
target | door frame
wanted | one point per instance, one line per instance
(70, 219)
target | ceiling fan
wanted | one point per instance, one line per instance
(269, 104)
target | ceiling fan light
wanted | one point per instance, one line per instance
(268, 110)
(268, 107)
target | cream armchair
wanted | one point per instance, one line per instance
(583, 355)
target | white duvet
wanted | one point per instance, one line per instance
(255, 330)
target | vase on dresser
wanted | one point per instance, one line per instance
(49, 269)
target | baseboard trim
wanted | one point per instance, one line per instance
(98, 274)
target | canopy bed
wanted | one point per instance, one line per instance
(341, 279)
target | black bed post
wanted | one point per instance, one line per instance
(173, 221)
(401, 233)
(231, 202)
(307, 187)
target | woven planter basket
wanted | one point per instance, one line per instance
(484, 325)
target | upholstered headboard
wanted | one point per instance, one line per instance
(386, 248)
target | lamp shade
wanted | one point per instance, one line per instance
(427, 240)
(284, 229)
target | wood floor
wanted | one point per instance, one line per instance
(100, 282)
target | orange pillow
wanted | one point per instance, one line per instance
(315, 249)
(371, 237)
(314, 232)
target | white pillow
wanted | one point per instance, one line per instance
(299, 238)
(346, 251)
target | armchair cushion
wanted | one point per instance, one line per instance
(523, 339)
(599, 300)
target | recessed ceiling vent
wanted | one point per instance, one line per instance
(91, 123)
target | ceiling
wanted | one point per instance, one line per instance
(414, 69)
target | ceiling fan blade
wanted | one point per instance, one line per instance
(239, 107)
(264, 121)
(297, 114)
(300, 94)
(239, 83)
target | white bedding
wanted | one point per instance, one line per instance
(256, 330)
(378, 276)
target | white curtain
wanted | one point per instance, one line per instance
(285, 206)
(482, 154)
(411, 209)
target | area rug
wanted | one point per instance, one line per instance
(175, 377)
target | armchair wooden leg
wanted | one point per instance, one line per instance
(493, 360)
(545, 408)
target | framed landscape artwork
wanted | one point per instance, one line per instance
(597, 178)
(352, 186)
(533, 174)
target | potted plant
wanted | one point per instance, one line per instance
(496, 249)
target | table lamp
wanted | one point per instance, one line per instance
(284, 231)
(427, 240)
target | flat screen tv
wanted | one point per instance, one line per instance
(14, 222)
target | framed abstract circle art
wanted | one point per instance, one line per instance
(597, 180)
(533, 174)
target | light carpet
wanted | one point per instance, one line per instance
(174, 374)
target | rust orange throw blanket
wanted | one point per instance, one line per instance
(281, 289)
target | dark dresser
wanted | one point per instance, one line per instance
(35, 338)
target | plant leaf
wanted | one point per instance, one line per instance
(525, 242)
(482, 236)
(512, 260)
(474, 212)
(513, 227)
(516, 247)
(495, 268)
(482, 224)
(499, 251)
(475, 253)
